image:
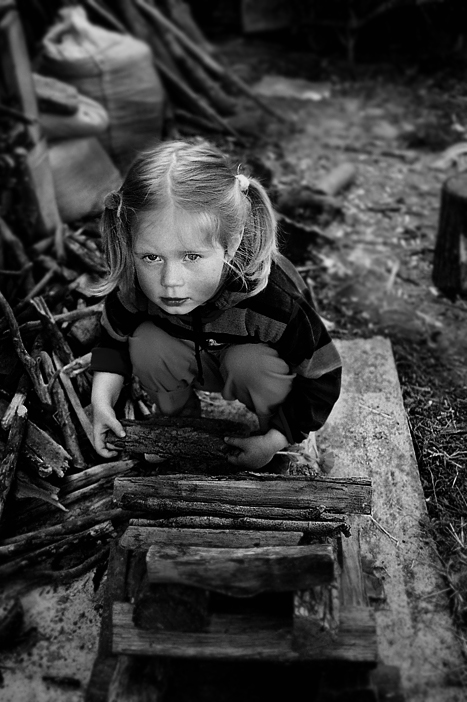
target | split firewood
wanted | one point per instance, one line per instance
(30, 364)
(75, 401)
(179, 437)
(89, 261)
(242, 572)
(11, 453)
(18, 399)
(65, 421)
(29, 485)
(165, 607)
(92, 475)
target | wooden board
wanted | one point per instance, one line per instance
(246, 638)
(369, 435)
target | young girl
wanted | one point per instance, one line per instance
(198, 297)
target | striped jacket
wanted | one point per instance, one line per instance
(281, 315)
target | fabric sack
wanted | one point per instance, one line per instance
(117, 71)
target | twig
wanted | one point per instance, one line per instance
(31, 366)
(393, 538)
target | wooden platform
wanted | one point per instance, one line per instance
(369, 435)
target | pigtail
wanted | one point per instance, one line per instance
(258, 246)
(117, 247)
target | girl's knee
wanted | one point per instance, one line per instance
(254, 360)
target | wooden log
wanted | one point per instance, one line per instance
(91, 476)
(64, 419)
(340, 496)
(450, 257)
(75, 402)
(244, 638)
(44, 454)
(10, 457)
(242, 572)
(165, 607)
(181, 437)
(224, 533)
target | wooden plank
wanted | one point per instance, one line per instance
(352, 585)
(245, 638)
(242, 572)
(369, 435)
(141, 538)
(346, 496)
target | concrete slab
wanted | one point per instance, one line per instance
(369, 435)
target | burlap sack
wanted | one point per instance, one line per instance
(114, 69)
(89, 119)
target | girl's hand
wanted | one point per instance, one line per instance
(104, 419)
(106, 388)
(256, 451)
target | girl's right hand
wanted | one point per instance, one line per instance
(104, 419)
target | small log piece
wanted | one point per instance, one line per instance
(450, 256)
(242, 572)
(165, 607)
(179, 437)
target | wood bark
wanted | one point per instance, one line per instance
(179, 437)
(342, 496)
(242, 572)
(450, 257)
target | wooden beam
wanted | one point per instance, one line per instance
(242, 572)
(341, 496)
(245, 638)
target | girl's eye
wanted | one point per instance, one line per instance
(192, 256)
(151, 258)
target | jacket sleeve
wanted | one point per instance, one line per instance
(308, 349)
(111, 354)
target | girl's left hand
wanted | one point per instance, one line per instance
(256, 451)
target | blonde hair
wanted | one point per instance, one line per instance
(196, 178)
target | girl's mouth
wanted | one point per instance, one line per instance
(174, 301)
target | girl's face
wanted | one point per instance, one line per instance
(177, 264)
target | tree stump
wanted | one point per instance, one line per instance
(450, 257)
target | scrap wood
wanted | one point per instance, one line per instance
(11, 453)
(98, 532)
(30, 364)
(75, 401)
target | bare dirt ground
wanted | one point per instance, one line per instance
(371, 271)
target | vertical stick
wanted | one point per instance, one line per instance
(10, 459)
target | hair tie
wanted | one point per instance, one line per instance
(113, 201)
(243, 182)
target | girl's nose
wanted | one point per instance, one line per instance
(172, 275)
